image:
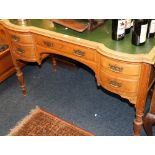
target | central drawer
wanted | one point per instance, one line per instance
(47, 42)
(80, 51)
(66, 47)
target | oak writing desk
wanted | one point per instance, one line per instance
(119, 66)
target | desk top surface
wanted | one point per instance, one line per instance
(101, 35)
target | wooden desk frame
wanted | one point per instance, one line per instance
(40, 43)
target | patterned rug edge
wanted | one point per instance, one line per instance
(31, 114)
(23, 121)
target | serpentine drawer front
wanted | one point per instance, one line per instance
(72, 49)
(120, 67)
(119, 84)
(24, 38)
(119, 76)
(24, 51)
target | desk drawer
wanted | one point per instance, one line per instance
(17, 37)
(66, 47)
(47, 42)
(118, 84)
(80, 51)
(24, 51)
(120, 67)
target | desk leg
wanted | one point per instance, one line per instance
(141, 97)
(138, 123)
(19, 75)
(53, 62)
(149, 119)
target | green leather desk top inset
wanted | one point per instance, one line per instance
(100, 35)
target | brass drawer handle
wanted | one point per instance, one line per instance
(20, 50)
(78, 53)
(3, 47)
(114, 84)
(15, 38)
(115, 68)
(48, 44)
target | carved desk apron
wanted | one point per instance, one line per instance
(119, 66)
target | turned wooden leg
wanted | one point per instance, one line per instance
(53, 62)
(137, 124)
(19, 75)
(21, 82)
(141, 97)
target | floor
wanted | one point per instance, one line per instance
(71, 94)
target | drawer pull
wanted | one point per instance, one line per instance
(20, 50)
(115, 68)
(78, 53)
(47, 43)
(15, 38)
(115, 84)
